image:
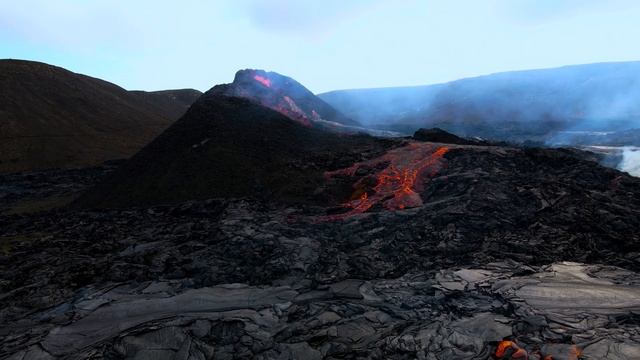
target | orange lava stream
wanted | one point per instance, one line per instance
(398, 184)
(263, 80)
(282, 103)
(517, 352)
(294, 112)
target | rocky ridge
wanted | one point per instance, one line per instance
(53, 118)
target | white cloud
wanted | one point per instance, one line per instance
(326, 44)
(66, 23)
(306, 16)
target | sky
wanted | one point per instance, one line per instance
(324, 44)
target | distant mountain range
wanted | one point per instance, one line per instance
(51, 117)
(556, 106)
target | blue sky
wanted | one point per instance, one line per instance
(325, 44)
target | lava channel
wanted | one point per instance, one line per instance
(398, 182)
(282, 104)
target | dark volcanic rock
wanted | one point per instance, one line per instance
(232, 147)
(283, 94)
(441, 136)
(308, 244)
(34, 191)
(165, 281)
(479, 261)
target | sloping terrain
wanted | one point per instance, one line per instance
(51, 117)
(472, 269)
(170, 103)
(240, 232)
(285, 95)
(230, 147)
(549, 104)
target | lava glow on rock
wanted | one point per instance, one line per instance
(263, 80)
(507, 349)
(293, 111)
(279, 102)
(510, 350)
(397, 181)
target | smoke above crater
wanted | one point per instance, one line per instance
(630, 161)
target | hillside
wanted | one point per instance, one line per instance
(543, 105)
(170, 103)
(51, 117)
(285, 95)
(228, 147)
(242, 230)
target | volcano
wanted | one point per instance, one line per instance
(229, 147)
(248, 231)
(285, 95)
(51, 117)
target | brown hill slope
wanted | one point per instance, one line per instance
(51, 117)
(171, 103)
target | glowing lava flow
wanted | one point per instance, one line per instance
(398, 184)
(281, 103)
(263, 80)
(294, 112)
(510, 348)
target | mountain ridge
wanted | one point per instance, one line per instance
(52, 117)
(516, 105)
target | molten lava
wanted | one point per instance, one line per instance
(263, 80)
(509, 348)
(291, 110)
(277, 101)
(397, 184)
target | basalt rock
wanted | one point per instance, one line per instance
(410, 250)
(282, 94)
(440, 136)
(232, 147)
(478, 265)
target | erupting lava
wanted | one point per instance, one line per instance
(263, 80)
(279, 102)
(294, 112)
(398, 184)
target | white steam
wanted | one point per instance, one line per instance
(630, 161)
